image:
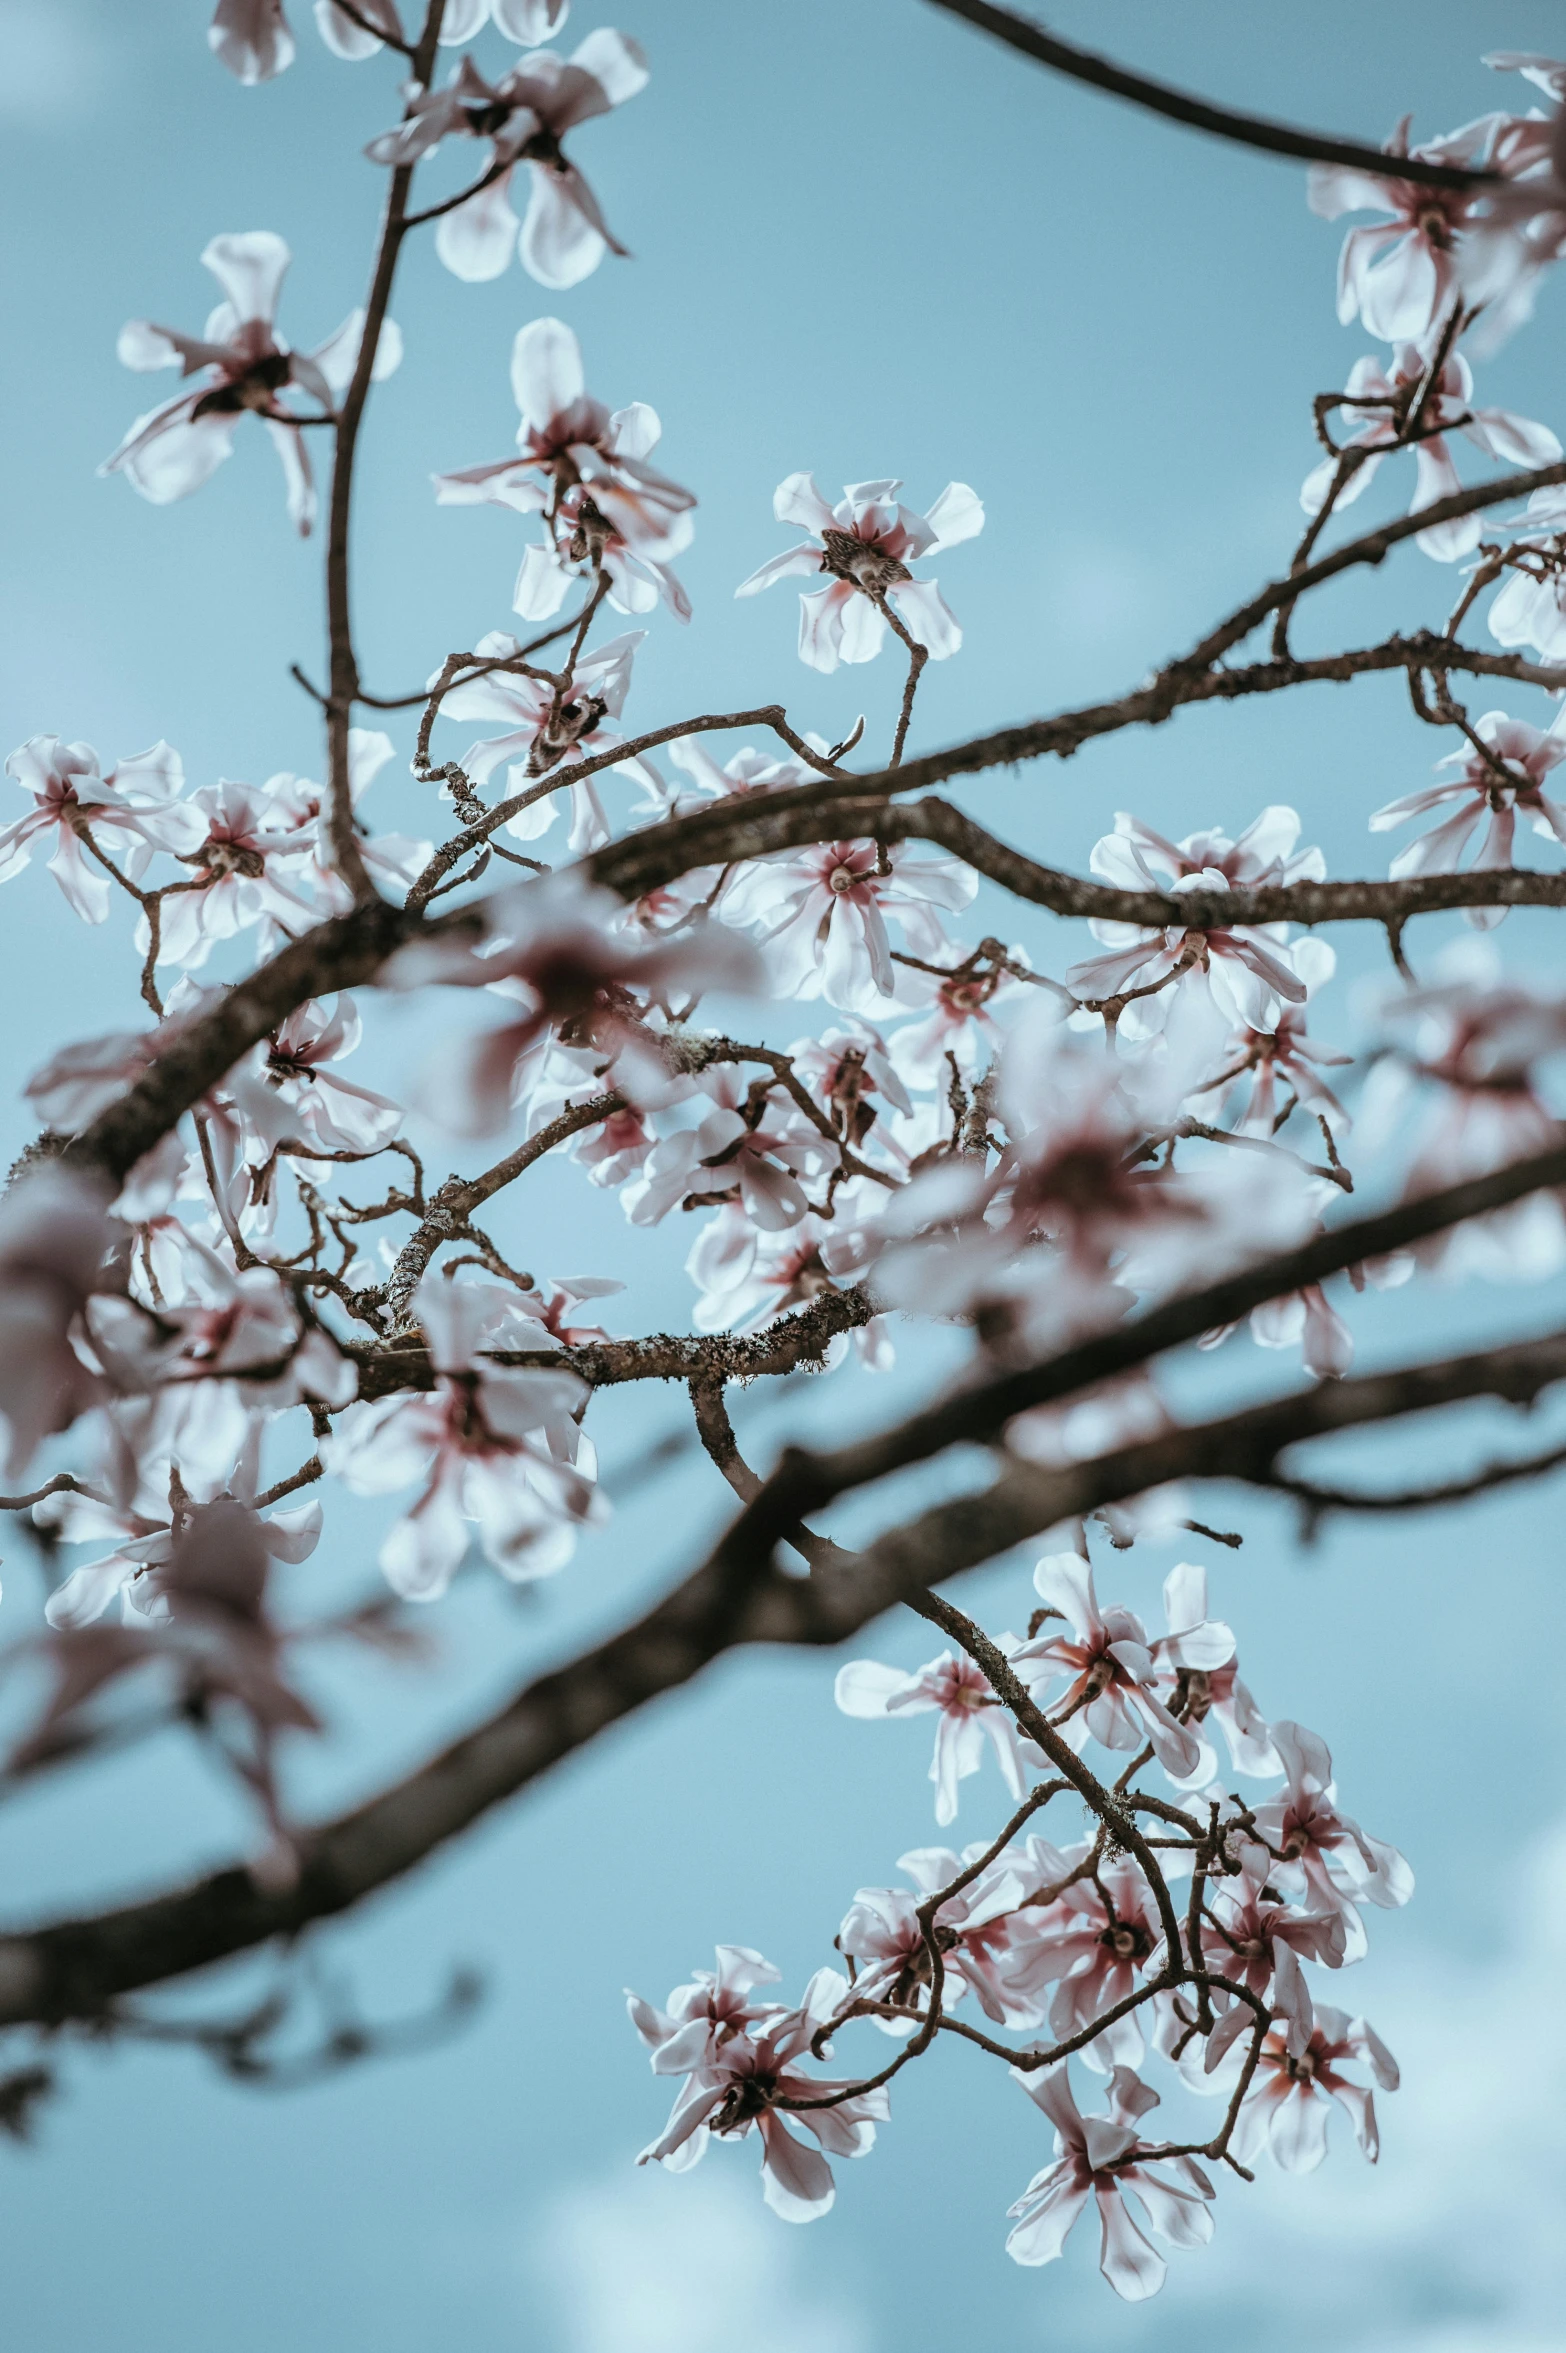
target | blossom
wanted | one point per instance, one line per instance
(252, 37)
(585, 472)
(1317, 1848)
(704, 2014)
(524, 116)
(865, 545)
(1098, 2157)
(194, 1371)
(1246, 968)
(492, 1444)
(1111, 1694)
(959, 1020)
(960, 1695)
(759, 1161)
(54, 1237)
(1094, 1942)
(1488, 785)
(820, 915)
(551, 943)
(882, 1934)
(1381, 401)
(1401, 275)
(246, 867)
(240, 364)
(544, 726)
(1531, 608)
(137, 804)
(288, 1090)
(300, 810)
(1251, 1940)
(748, 1277)
(1195, 1687)
(737, 2084)
(1256, 1059)
(1288, 2105)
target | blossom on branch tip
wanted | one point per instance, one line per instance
(241, 366)
(1289, 2103)
(524, 115)
(1531, 608)
(494, 1445)
(606, 512)
(1112, 1693)
(137, 804)
(960, 1695)
(1494, 784)
(546, 724)
(1099, 2157)
(819, 915)
(1381, 402)
(865, 545)
(1401, 275)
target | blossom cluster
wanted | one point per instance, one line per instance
(953, 1133)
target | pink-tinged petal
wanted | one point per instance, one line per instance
(1180, 2216)
(792, 560)
(251, 37)
(348, 39)
(1041, 2236)
(617, 64)
(1064, 1581)
(1517, 439)
(180, 459)
(563, 237)
(1131, 2264)
(863, 631)
(926, 616)
(1185, 1598)
(546, 372)
(477, 239)
(88, 1591)
(821, 613)
(423, 1552)
(1440, 851)
(1333, 189)
(249, 266)
(80, 877)
(1317, 483)
(1437, 478)
(796, 2181)
(1399, 296)
(798, 500)
(958, 514)
(1298, 2134)
(542, 584)
(460, 20)
(866, 1688)
(529, 22)
(299, 484)
(143, 346)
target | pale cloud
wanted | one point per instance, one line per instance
(50, 65)
(695, 2265)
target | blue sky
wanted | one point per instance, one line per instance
(866, 241)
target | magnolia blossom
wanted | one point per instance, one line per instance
(1381, 401)
(1251, 1940)
(882, 1934)
(492, 1444)
(953, 1689)
(290, 1093)
(1402, 276)
(247, 867)
(958, 1020)
(1246, 967)
(759, 1161)
(1195, 1691)
(240, 364)
(1098, 2157)
(300, 809)
(865, 545)
(605, 509)
(551, 945)
(1531, 608)
(703, 2015)
(736, 2083)
(1256, 1060)
(137, 805)
(1487, 786)
(820, 915)
(1319, 1850)
(1289, 2103)
(252, 37)
(1111, 1695)
(524, 116)
(747, 1277)
(544, 726)
(144, 1547)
